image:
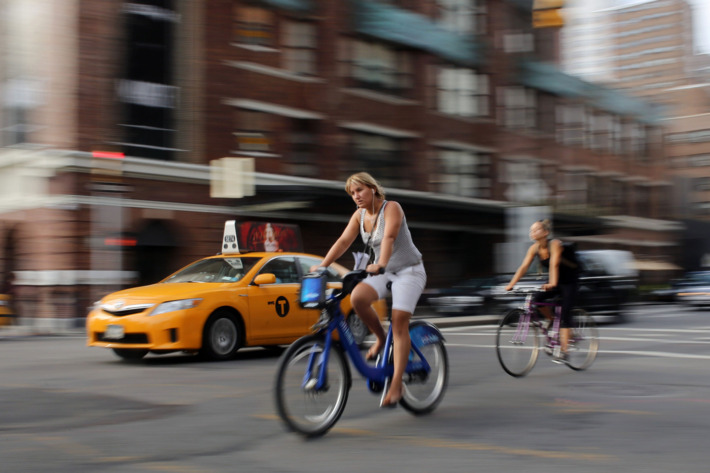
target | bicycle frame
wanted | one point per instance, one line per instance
(518, 339)
(383, 369)
(532, 316)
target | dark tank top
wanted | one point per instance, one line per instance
(567, 275)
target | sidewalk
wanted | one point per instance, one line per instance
(27, 327)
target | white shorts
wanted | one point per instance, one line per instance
(407, 286)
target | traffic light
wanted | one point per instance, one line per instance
(548, 14)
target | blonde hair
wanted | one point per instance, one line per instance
(365, 179)
(546, 225)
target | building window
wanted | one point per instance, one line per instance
(382, 156)
(642, 201)
(462, 16)
(701, 184)
(598, 193)
(617, 197)
(570, 124)
(634, 141)
(374, 66)
(303, 144)
(572, 188)
(463, 173)
(254, 26)
(615, 138)
(299, 47)
(517, 108)
(600, 132)
(546, 113)
(462, 92)
(254, 135)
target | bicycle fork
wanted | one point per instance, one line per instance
(315, 378)
(521, 333)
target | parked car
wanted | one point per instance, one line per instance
(608, 282)
(693, 289)
(7, 314)
(469, 297)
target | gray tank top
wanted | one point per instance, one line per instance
(404, 253)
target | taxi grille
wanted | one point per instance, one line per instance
(128, 310)
(129, 338)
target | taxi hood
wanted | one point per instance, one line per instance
(156, 293)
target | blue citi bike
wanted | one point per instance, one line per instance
(313, 378)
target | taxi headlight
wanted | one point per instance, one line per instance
(172, 306)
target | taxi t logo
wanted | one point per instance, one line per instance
(282, 306)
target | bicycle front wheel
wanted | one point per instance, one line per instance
(583, 341)
(517, 343)
(302, 406)
(422, 392)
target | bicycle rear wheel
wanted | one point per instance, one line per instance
(303, 407)
(517, 343)
(422, 392)
(583, 341)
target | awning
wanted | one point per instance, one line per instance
(407, 28)
(293, 5)
(650, 265)
(274, 108)
(549, 78)
(378, 129)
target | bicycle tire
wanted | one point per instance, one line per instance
(517, 346)
(422, 392)
(306, 410)
(583, 342)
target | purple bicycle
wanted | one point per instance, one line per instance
(521, 331)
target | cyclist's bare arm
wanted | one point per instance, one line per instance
(527, 261)
(344, 241)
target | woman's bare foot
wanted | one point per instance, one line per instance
(374, 350)
(392, 397)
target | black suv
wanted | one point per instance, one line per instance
(608, 281)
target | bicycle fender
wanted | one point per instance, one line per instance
(424, 333)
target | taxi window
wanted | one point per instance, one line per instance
(306, 264)
(284, 269)
(215, 270)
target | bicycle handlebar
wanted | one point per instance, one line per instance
(524, 290)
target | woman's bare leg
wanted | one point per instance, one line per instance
(362, 298)
(401, 349)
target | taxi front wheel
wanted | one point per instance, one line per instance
(221, 338)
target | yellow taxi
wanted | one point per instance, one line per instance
(215, 306)
(7, 315)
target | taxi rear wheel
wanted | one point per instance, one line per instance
(222, 336)
(130, 353)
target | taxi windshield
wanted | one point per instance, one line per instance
(220, 270)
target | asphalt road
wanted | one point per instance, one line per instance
(643, 406)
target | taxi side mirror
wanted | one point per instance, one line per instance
(265, 278)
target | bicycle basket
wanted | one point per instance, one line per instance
(312, 294)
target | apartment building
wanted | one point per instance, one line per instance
(459, 107)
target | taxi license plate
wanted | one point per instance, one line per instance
(114, 332)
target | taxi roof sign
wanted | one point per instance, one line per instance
(229, 238)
